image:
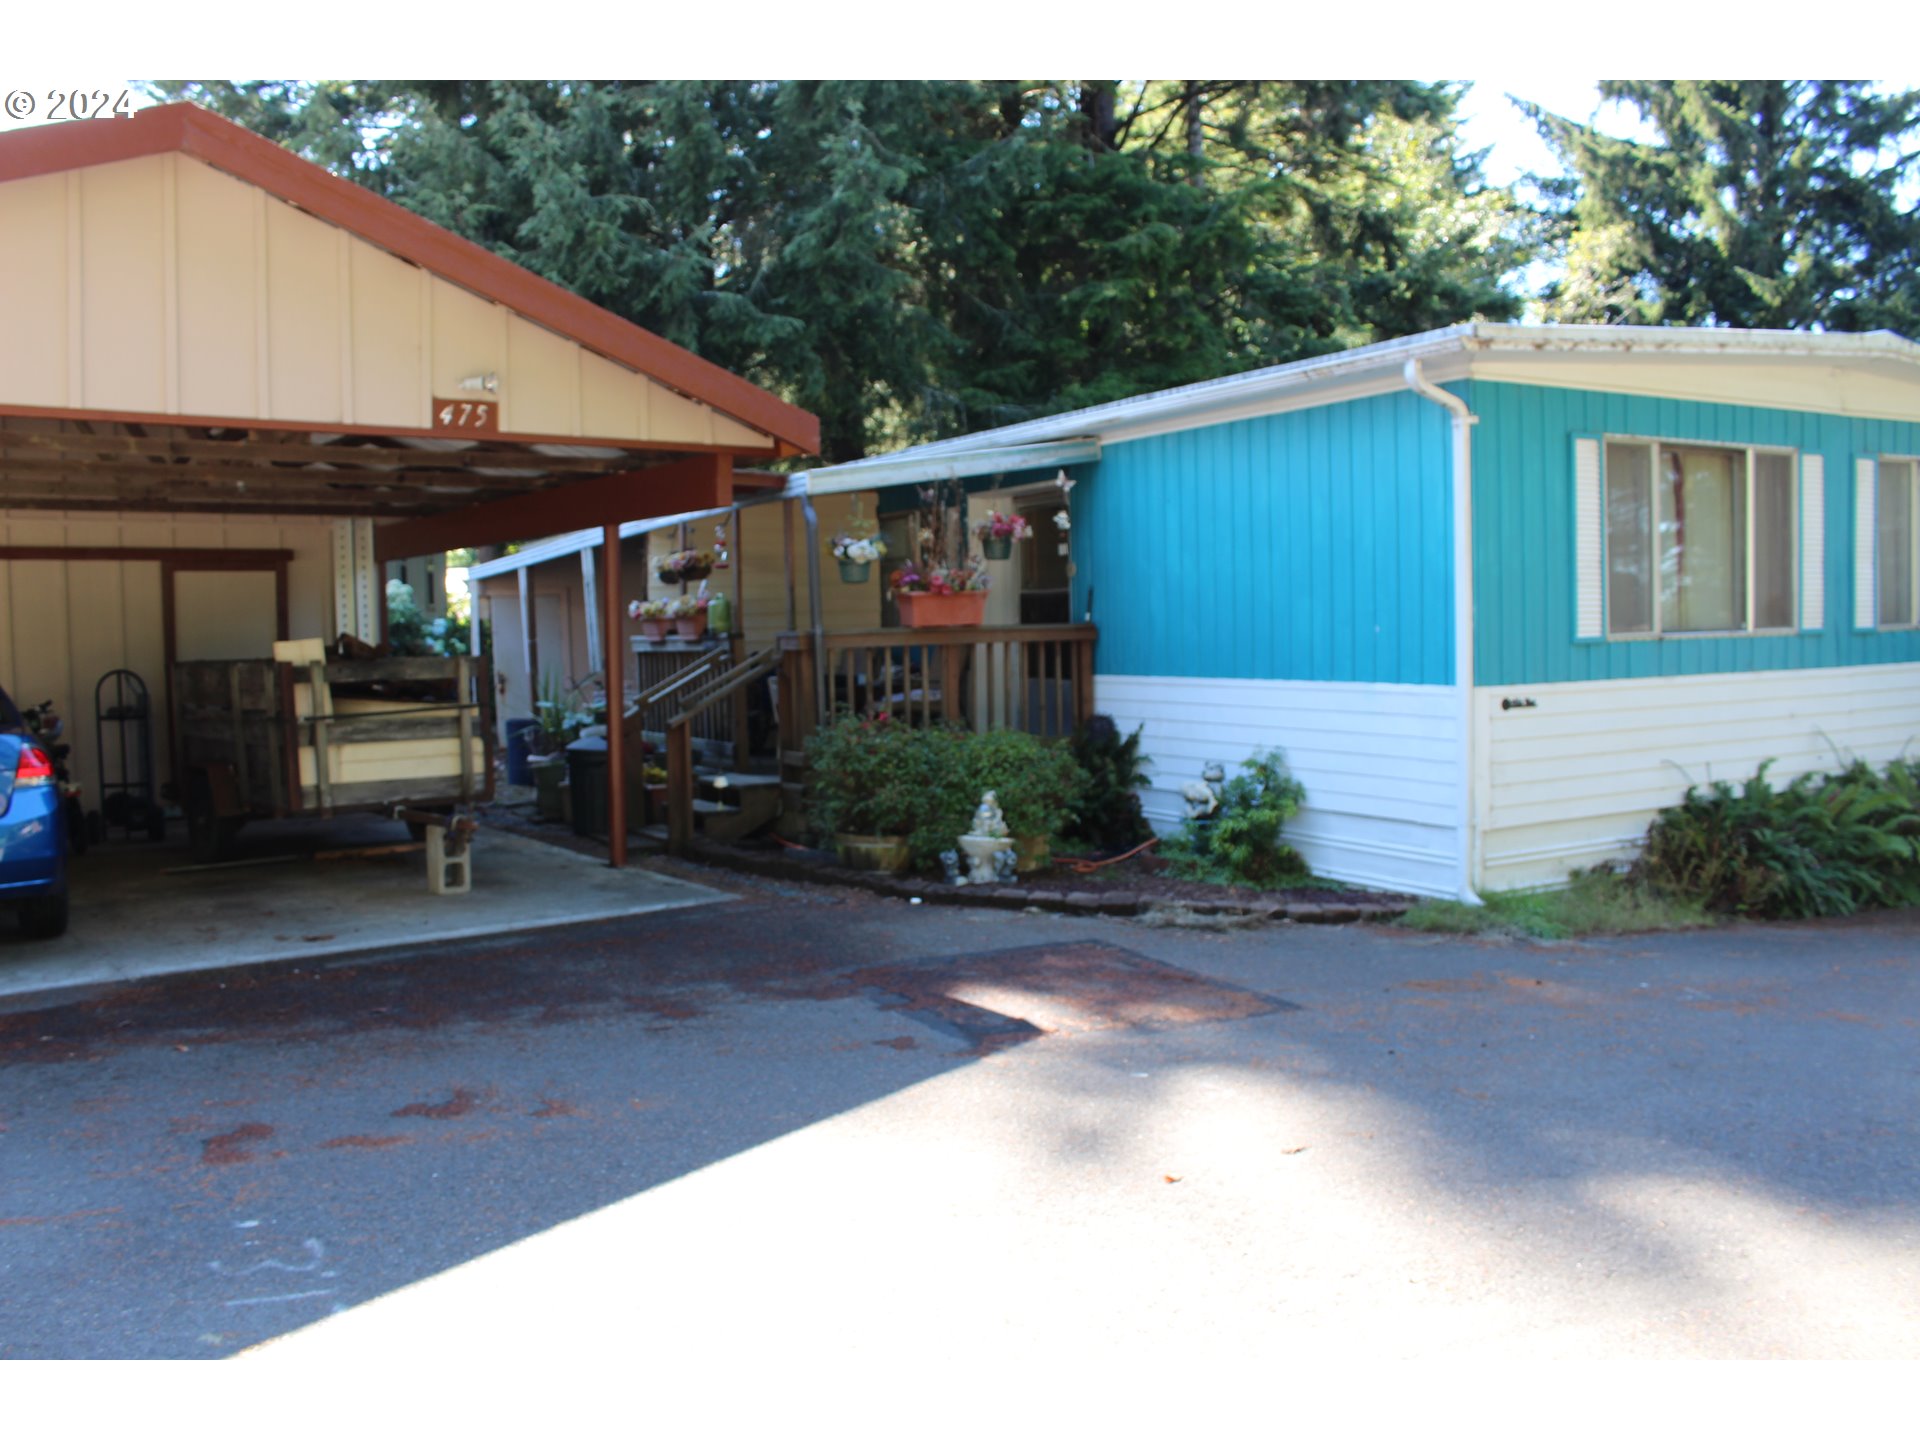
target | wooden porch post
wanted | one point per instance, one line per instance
(614, 632)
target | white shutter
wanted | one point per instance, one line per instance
(1864, 474)
(1589, 612)
(1813, 542)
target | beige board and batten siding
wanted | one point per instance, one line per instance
(760, 551)
(1576, 778)
(161, 285)
(65, 623)
(1379, 763)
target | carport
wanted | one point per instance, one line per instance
(235, 386)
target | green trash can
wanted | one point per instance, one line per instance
(587, 778)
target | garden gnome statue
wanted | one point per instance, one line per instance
(1203, 796)
(986, 842)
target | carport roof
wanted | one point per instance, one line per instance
(188, 129)
(75, 458)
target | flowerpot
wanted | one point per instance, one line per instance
(548, 773)
(997, 547)
(656, 804)
(1034, 852)
(656, 630)
(922, 610)
(855, 572)
(873, 852)
(690, 627)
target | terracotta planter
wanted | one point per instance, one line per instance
(691, 627)
(873, 852)
(655, 630)
(923, 611)
(1035, 852)
(855, 572)
(996, 547)
(656, 804)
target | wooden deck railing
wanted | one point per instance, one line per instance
(1037, 678)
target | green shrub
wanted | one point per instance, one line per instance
(1037, 782)
(867, 777)
(1107, 815)
(1240, 844)
(1823, 845)
(881, 777)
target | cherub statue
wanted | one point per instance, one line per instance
(987, 819)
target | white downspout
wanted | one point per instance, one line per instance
(1463, 420)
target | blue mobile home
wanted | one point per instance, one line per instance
(1499, 591)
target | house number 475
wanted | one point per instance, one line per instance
(465, 415)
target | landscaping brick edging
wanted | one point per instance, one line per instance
(774, 866)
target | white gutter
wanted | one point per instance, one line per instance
(949, 464)
(1463, 422)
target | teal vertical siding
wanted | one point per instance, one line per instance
(1523, 534)
(1313, 545)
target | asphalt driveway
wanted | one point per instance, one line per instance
(822, 1134)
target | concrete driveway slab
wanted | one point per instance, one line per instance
(145, 910)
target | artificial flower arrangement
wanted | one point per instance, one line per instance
(686, 607)
(684, 565)
(647, 610)
(910, 579)
(1003, 527)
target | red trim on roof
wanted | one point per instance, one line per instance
(50, 149)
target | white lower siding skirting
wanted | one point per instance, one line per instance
(1379, 763)
(1575, 778)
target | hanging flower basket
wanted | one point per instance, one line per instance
(695, 572)
(666, 576)
(923, 610)
(855, 572)
(997, 547)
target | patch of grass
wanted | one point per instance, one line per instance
(1595, 902)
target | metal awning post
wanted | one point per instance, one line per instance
(815, 609)
(616, 703)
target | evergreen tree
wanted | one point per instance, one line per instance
(910, 260)
(1764, 203)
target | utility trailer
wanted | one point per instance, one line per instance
(317, 736)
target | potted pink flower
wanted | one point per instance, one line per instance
(940, 594)
(997, 533)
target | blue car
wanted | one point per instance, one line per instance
(33, 830)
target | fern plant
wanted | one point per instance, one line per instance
(1827, 844)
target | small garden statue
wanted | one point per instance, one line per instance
(1203, 796)
(950, 862)
(987, 843)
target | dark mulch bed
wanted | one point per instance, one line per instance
(1150, 877)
